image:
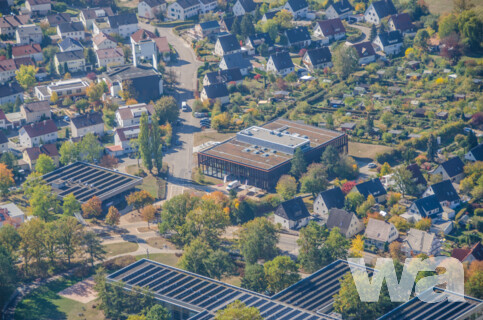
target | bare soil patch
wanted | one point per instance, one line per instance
(81, 291)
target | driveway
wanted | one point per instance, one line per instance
(180, 156)
(365, 30)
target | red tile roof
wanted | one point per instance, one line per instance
(26, 50)
(47, 149)
(40, 128)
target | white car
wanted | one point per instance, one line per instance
(372, 165)
(184, 106)
(233, 185)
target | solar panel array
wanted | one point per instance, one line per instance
(416, 309)
(85, 181)
(202, 294)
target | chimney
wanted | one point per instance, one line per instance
(45, 122)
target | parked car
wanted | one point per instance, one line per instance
(184, 106)
(201, 114)
(372, 165)
(233, 185)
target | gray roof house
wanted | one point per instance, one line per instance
(418, 241)
(280, 63)
(372, 187)
(235, 60)
(379, 233)
(227, 44)
(347, 222)
(452, 169)
(445, 192)
(329, 199)
(475, 154)
(292, 214)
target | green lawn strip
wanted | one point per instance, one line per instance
(169, 259)
(115, 249)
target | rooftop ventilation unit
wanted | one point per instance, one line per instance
(256, 152)
(265, 155)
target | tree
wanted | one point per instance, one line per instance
(25, 76)
(423, 224)
(139, 199)
(42, 200)
(448, 25)
(353, 200)
(330, 158)
(345, 60)
(254, 278)
(90, 56)
(336, 245)
(357, 247)
(44, 164)
(299, 165)
(400, 223)
(9, 239)
(174, 212)
(421, 39)
(70, 205)
(6, 179)
(92, 208)
(108, 161)
(113, 216)
(144, 145)
(471, 140)
(286, 187)
(451, 48)
(432, 148)
(158, 312)
(314, 180)
(148, 213)
(8, 274)
(69, 152)
(403, 179)
(238, 311)
(89, 148)
(166, 109)
(236, 27)
(347, 301)
(373, 34)
(395, 250)
(364, 207)
(246, 27)
(258, 240)
(54, 97)
(94, 92)
(93, 247)
(156, 144)
(31, 246)
(281, 273)
(310, 242)
(385, 169)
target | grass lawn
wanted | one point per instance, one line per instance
(114, 249)
(205, 136)
(233, 280)
(150, 184)
(45, 303)
(159, 242)
(169, 259)
(127, 3)
(364, 150)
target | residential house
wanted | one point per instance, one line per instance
(103, 41)
(280, 63)
(207, 28)
(445, 192)
(74, 30)
(475, 154)
(38, 133)
(63, 89)
(372, 187)
(36, 111)
(365, 52)
(389, 42)
(223, 76)
(329, 30)
(151, 9)
(329, 199)
(128, 116)
(3, 138)
(441, 226)
(11, 214)
(235, 60)
(89, 122)
(254, 41)
(110, 57)
(55, 19)
(341, 9)
(227, 44)
(270, 14)
(146, 45)
(183, 9)
(90, 15)
(30, 155)
(348, 127)
(38, 7)
(470, 254)
(292, 214)
(418, 241)
(418, 177)
(70, 61)
(215, 92)
(378, 10)
(347, 222)
(69, 44)
(242, 7)
(319, 58)
(452, 169)
(207, 6)
(427, 207)
(402, 22)
(10, 66)
(298, 37)
(122, 141)
(28, 34)
(146, 82)
(10, 91)
(298, 8)
(33, 51)
(226, 23)
(380, 233)
(9, 24)
(123, 24)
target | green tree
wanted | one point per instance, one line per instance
(365, 206)
(32, 246)
(254, 278)
(421, 39)
(6, 179)
(144, 145)
(69, 152)
(432, 147)
(347, 301)
(314, 180)
(281, 273)
(113, 216)
(173, 215)
(69, 236)
(403, 179)
(286, 187)
(8, 274)
(25, 76)
(310, 241)
(156, 144)
(90, 149)
(236, 27)
(167, 110)
(336, 245)
(70, 205)
(246, 27)
(471, 140)
(345, 60)
(448, 25)
(353, 200)
(373, 32)
(42, 201)
(139, 199)
(158, 312)
(93, 247)
(299, 165)
(330, 159)
(258, 240)
(9, 239)
(44, 164)
(238, 311)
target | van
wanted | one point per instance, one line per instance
(233, 185)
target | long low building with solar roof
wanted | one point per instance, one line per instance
(86, 180)
(260, 155)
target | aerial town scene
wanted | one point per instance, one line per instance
(241, 159)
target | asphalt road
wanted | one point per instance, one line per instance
(365, 30)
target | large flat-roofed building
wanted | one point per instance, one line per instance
(86, 180)
(260, 155)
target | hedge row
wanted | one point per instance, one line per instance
(172, 24)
